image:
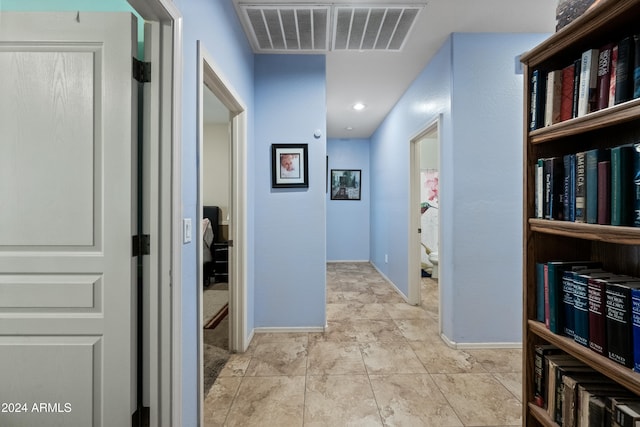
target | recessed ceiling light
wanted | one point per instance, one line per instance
(349, 128)
(358, 106)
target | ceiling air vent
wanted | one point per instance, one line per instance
(372, 28)
(287, 28)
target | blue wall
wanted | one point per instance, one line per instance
(217, 25)
(290, 243)
(348, 221)
(472, 83)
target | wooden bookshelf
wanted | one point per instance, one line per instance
(618, 248)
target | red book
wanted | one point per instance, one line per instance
(597, 317)
(604, 192)
(566, 100)
(604, 76)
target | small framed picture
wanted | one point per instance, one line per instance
(289, 166)
(345, 184)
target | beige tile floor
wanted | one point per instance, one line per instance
(379, 363)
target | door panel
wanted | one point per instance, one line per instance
(67, 311)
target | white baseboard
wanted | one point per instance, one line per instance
(393, 285)
(344, 261)
(479, 345)
(285, 330)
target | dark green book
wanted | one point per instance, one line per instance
(622, 185)
(636, 185)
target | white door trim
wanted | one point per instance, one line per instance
(209, 74)
(165, 380)
(414, 250)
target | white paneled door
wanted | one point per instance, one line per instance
(67, 210)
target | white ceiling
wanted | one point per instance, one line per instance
(378, 79)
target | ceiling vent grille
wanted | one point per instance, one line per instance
(297, 28)
(287, 28)
(372, 28)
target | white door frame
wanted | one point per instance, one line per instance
(164, 392)
(209, 74)
(414, 250)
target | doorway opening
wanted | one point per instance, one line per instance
(424, 236)
(222, 192)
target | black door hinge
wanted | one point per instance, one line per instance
(141, 245)
(141, 71)
(140, 418)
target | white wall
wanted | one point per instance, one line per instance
(215, 162)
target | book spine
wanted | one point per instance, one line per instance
(591, 182)
(567, 304)
(618, 324)
(612, 81)
(581, 311)
(635, 327)
(604, 77)
(566, 191)
(587, 96)
(547, 311)
(566, 98)
(572, 188)
(580, 188)
(636, 185)
(540, 372)
(636, 66)
(540, 292)
(604, 192)
(577, 71)
(597, 337)
(553, 98)
(624, 84)
(538, 190)
(621, 177)
(538, 90)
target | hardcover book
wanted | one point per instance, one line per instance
(540, 292)
(604, 77)
(597, 316)
(627, 414)
(580, 371)
(581, 305)
(612, 81)
(569, 196)
(539, 199)
(566, 98)
(636, 66)
(570, 384)
(540, 371)
(577, 65)
(538, 90)
(635, 327)
(618, 321)
(593, 157)
(587, 97)
(553, 361)
(604, 192)
(566, 316)
(621, 185)
(553, 98)
(624, 70)
(636, 185)
(553, 187)
(581, 188)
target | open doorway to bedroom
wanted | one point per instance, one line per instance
(424, 239)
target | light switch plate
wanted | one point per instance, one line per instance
(186, 230)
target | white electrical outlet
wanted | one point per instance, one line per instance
(386, 258)
(186, 230)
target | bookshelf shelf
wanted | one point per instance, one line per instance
(600, 233)
(541, 415)
(617, 248)
(608, 117)
(618, 373)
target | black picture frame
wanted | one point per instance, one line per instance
(346, 184)
(289, 166)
